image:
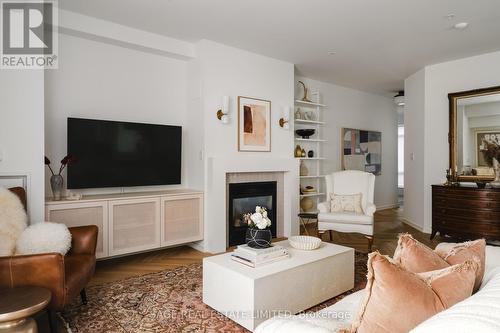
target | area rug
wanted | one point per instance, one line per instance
(163, 302)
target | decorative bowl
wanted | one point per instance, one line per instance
(307, 243)
(305, 133)
(308, 189)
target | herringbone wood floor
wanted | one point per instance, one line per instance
(388, 225)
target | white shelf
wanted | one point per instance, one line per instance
(311, 158)
(318, 176)
(312, 195)
(303, 121)
(298, 101)
(310, 140)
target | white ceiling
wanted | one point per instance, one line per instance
(377, 43)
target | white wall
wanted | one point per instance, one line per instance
(414, 149)
(103, 81)
(234, 72)
(440, 80)
(21, 132)
(356, 109)
(218, 71)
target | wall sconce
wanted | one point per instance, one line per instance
(223, 114)
(285, 120)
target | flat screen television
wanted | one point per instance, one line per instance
(119, 154)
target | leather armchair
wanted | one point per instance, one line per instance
(345, 183)
(65, 276)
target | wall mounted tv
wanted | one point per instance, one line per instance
(119, 154)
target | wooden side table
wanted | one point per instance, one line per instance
(17, 305)
(308, 218)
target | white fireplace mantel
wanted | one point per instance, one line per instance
(217, 168)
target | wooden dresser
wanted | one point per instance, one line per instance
(466, 212)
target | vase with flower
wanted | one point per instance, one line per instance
(57, 180)
(258, 234)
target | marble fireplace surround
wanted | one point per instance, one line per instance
(221, 171)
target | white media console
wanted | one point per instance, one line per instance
(134, 222)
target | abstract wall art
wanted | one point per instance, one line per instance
(254, 124)
(362, 150)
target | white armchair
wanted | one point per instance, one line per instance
(346, 183)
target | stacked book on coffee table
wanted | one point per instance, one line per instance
(249, 256)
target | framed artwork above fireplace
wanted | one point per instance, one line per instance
(254, 124)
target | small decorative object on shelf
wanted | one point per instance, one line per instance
(258, 235)
(305, 98)
(298, 114)
(303, 153)
(304, 171)
(306, 243)
(309, 115)
(306, 204)
(305, 133)
(298, 151)
(56, 180)
(308, 189)
(310, 153)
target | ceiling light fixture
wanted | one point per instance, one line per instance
(399, 99)
(332, 53)
(461, 26)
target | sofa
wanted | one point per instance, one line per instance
(478, 313)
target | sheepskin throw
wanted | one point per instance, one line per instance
(45, 237)
(13, 220)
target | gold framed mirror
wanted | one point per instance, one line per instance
(474, 135)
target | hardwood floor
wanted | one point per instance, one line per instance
(388, 225)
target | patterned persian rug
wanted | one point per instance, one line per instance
(163, 302)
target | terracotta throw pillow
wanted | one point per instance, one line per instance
(417, 257)
(398, 300)
(464, 251)
(346, 203)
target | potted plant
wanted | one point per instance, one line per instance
(258, 234)
(57, 180)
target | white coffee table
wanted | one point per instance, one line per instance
(250, 296)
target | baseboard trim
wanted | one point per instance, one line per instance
(390, 206)
(413, 225)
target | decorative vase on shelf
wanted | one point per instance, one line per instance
(258, 238)
(306, 204)
(56, 183)
(304, 171)
(298, 151)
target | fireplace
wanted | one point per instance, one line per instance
(243, 197)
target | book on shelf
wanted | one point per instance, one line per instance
(254, 264)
